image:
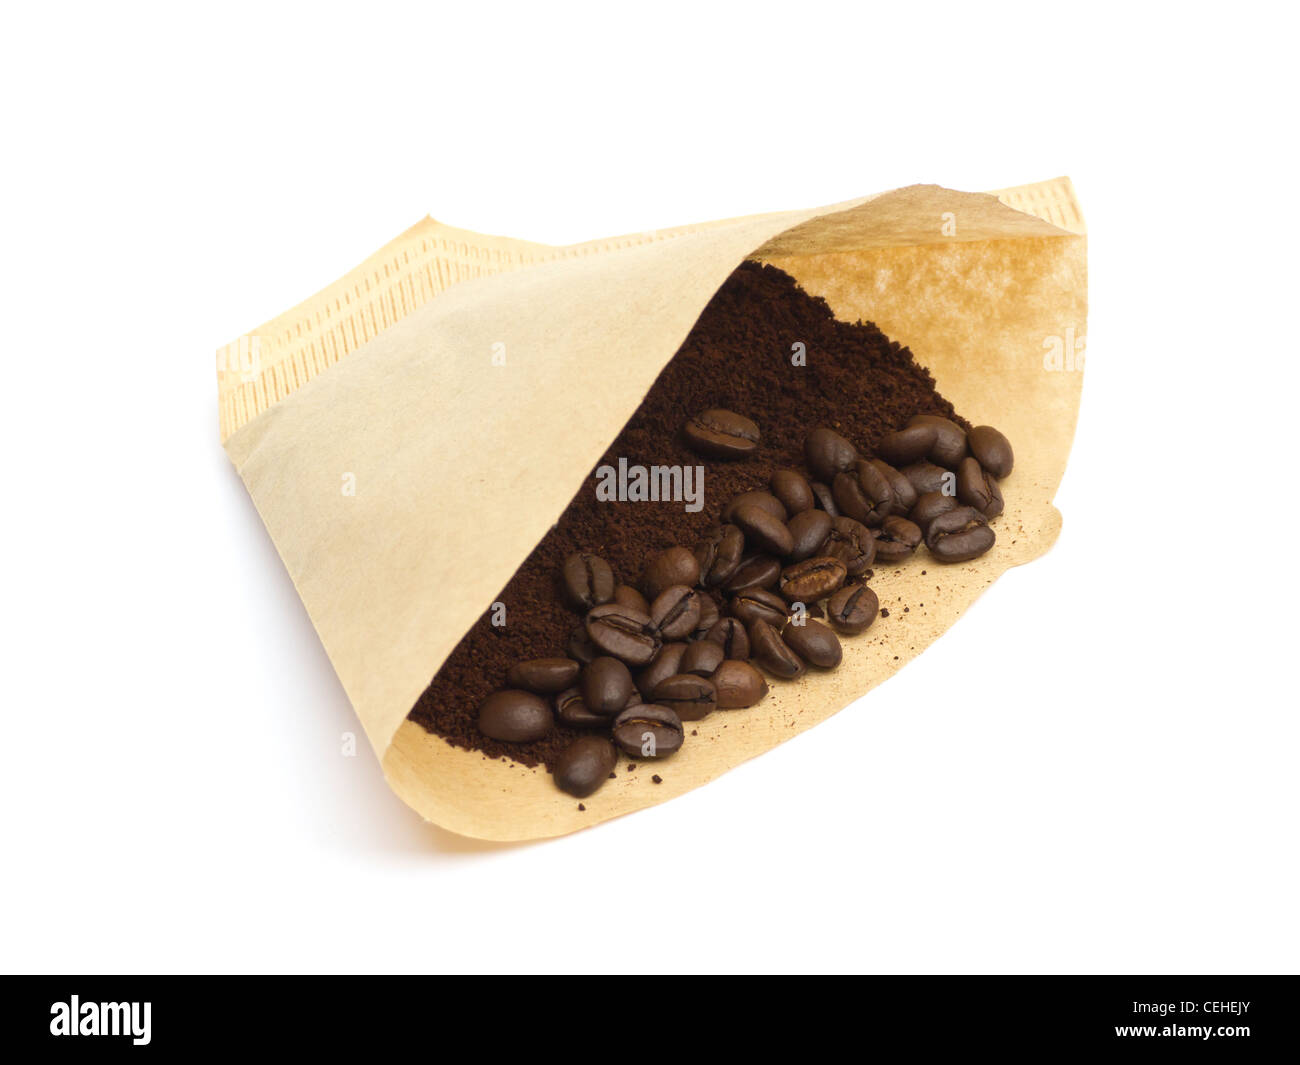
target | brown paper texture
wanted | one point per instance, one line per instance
(404, 475)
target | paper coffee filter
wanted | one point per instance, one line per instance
(409, 435)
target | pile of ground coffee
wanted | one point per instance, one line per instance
(737, 357)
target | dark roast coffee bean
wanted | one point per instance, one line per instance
(688, 696)
(759, 603)
(649, 731)
(730, 635)
(992, 449)
(588, 580)
(949, 446)
(702, 658)
(825, 498)
(624, 633)
(545, 676)
(930, 506)
(812, 579)
(719, 553)
(772, 653)
(606, 686)
(852, 609)
(709, 615)
(515, 716)
(927, 477)
(584, 765)
(572, 710)
(852, 543)
(977, 489)
(907, 445)
(896, 539)
(739, 685)
(959, 535)
(676, 612)
(626, 595)
(827, 453)
(721, 434)
(676, 565)
(904, 494)
(792, 489)
(763, 500)
(761, 571)
(814, 643)
(763, 532)
(666, 663)
(864, 494)
(809, 530)
(580, 647)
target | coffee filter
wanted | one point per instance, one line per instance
(409, 434)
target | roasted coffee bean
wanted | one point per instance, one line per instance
(814, 643)
(759, 603)
(825, 498)
(721, 434)
(930, 506)
(588, 580)
(580, 647)
(584, 765)
(959, 535)
(545, 676)
(927, 477)
(864, 494)
(904, 494)
(763, 532)
(763, 500)
(809, 530)
(666, 663)
(702, 658)
(606, 686)
(709, 615)
(626, 595)
(852, 609)
(760, 571)
(515, 716)
(676, 612)
(772, 653)
(648, 731)
(977, 489)
(688, 696)
(812, 579)
(852, 543)
(907, 445)
(739, 685)
(827, 453)
(949, 446)
(731, 636)
(675, 565)
(572, 710)
(719, 553)
(624, 633)
(897, 539)
(792, 489)
(992, 449)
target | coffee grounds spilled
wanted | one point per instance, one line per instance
(738, 357)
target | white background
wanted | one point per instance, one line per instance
(1094, 771)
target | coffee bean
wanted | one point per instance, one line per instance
(730, 635)
(676, 612)
(624, 633)
(759, 603)
(515, 716)
(852, 543)
(709, 615)
(649, 731)
(721, 434)
(606, 686)
(930, 506)
(772, 653)
(992, 449)
(544, 676)
(977, 489)
(584, 765)
(739, 685)
(863, 494)
(959, 535)
(927, 477)
(904, 494)
(852, 609)
(760, 571)
(814, 643)
(825, 498)
(792, 489)
(907, 445)
(572, 710)
(809, 530)
(580, 647)
(812, 579)
(827, 453)
(763, 500)
(702, 658)
(718, 555)
(588, 580)
(949, 446)
(896, 539)
(667, 663)
(675, 565)
(688, 696)
(763, 532)
(626, 595)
